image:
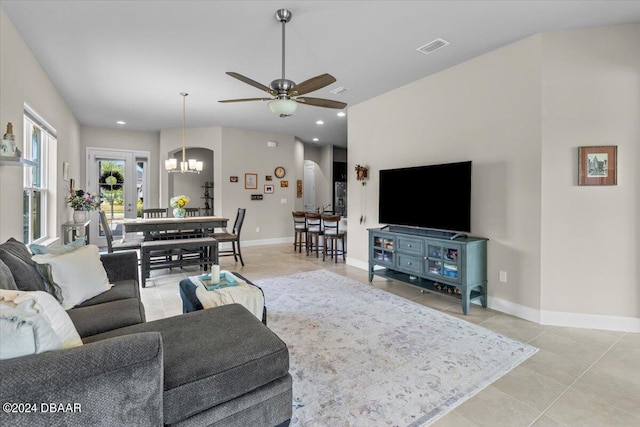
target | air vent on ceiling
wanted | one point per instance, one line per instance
(432, 46)
(339, 90)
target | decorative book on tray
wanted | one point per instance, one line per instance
(226, 280)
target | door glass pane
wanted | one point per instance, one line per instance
(139, 187)
(435, 251)
(451, 255)
(112, 193)
(435, 267)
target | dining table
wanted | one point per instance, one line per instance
(147, 226)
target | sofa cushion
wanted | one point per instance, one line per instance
(99, 318)
(24, 270)
(6, 278)
(79, 274)
(120, 290)
(212, 356)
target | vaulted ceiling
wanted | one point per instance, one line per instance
(129, 60)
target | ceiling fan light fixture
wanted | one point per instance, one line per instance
(283, 107)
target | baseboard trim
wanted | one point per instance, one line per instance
(572, 320)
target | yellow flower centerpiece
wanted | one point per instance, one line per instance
(178, 203)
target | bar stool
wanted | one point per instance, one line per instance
(300, 230)
(314, 231)
(332, 235)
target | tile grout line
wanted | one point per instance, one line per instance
(542, 413)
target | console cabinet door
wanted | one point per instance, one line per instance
(443, 261)
(383, 249)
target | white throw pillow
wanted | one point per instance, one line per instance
(79, 274)
(47, 306)
(24, 331)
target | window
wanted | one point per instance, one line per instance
(38, 139)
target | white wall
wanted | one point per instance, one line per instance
(590, 235)
(22, 80)
(486, 110)
(519, 113)
(247, 152)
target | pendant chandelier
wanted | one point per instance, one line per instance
(192, 165)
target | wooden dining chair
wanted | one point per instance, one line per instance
(155, 212)
(233, 238)
(128, 244)
(332, 235)
(192, 211)
(300, 230)
(314, 232)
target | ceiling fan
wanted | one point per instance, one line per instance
(286, 93)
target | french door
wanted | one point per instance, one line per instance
(119, 177)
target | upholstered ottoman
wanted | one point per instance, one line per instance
(191, 302)
(221, 367)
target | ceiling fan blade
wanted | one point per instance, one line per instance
(320, 102)
(314, 83)
(253, 83)
(246, 99)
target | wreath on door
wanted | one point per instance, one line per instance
(112, 180)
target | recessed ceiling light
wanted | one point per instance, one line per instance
(319, 122)
(315, 140)
(120, 122)
(341, 114)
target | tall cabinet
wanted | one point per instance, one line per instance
(432, 261)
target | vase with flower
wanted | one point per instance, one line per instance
(82, 202)
(178, 203)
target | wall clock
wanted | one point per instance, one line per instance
(279, 172)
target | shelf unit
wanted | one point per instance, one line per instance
(457, 268)
(16, 161)
(208, 199)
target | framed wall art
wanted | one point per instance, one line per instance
(250, 181)
(299, 189)
(233, 179)
(268, 189)
(284, 184)
(598, 165)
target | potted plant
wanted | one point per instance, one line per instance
(82, 202)
(178, 203)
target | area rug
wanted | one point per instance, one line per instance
(360, 356)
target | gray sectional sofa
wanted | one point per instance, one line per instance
(216, 367)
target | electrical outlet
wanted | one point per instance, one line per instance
(503, 276)
(257, 229)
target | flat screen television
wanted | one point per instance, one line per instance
(434, 196)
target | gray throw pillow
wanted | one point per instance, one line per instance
(6, 278)
(24, 270)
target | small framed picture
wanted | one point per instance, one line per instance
(598, 165)
(284, 184)
(268, 178)
(268, 189)
(250, 181)
(233, 179)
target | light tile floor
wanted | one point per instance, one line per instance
(579, 377)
